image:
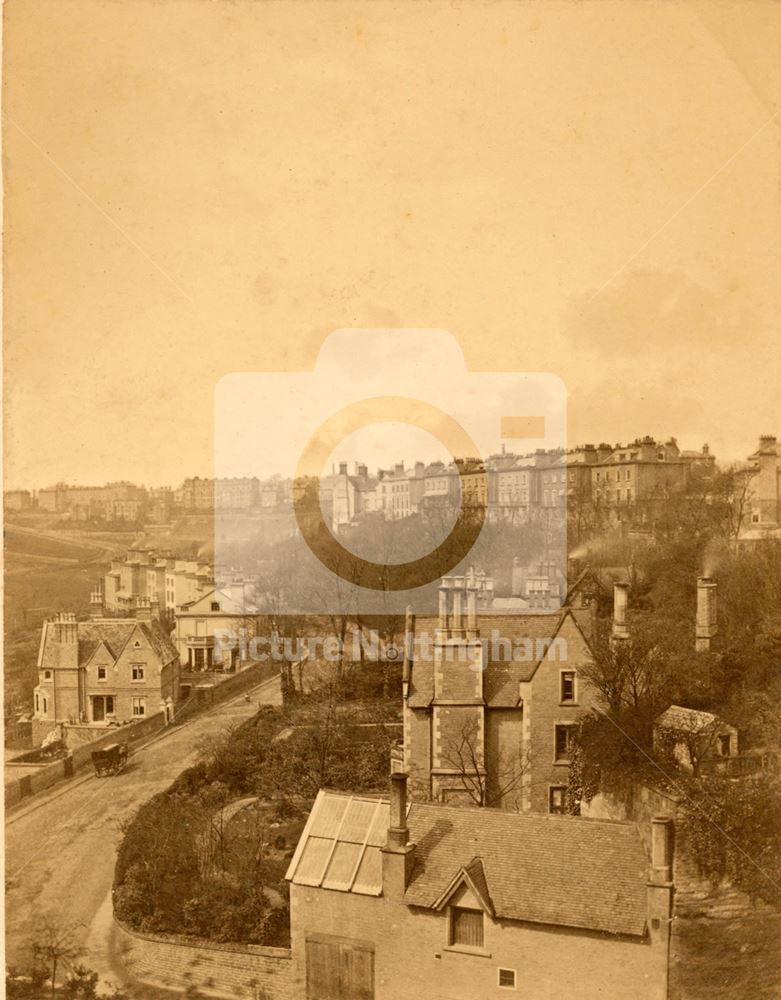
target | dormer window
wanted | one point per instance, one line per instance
(215, 605)
(466, 927)
(102, 673)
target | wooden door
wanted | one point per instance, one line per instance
(339, 969)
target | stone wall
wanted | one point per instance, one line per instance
(235, 970)
(79, 759)
(224, 688)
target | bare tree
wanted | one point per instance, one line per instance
(53, 946)
(491, 783)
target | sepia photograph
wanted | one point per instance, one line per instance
(391, 499)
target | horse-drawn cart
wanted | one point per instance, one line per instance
(109, 759)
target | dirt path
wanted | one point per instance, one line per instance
(60, 855)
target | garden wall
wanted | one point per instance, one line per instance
(234, 970)
(79, 759)
(225, 688)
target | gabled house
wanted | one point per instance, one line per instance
(203, 624)
(698, 740)
(104, 671)
(489, 701)
(395, 902)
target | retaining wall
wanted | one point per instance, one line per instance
(225, 688)
(79, 759)
(234, 970)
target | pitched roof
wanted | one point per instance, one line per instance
(113, 633)
(687, 719)
(473, 877)
(501, 676)
(560, 870)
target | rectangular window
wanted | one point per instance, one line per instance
(137, 671)
(563, 739)
(139, 707)
(725, 744)
(567, 686)
(466, 927)
(102, 674)
(506, 979)
(557, 799)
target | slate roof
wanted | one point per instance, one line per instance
(559, 870)
(501, 677)
(689, 720)
(113, 633)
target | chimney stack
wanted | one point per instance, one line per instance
(409, 648)
(343, 468)
(620, 601)
(661, 850)
(96, 602)
(66, 635)
(471, 604)
(398, 834)
(706, 626)
(398, 853)
(143, 609)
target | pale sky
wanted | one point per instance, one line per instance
(193, 189)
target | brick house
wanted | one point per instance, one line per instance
(390, 902)
(103, 671)
(489, 701)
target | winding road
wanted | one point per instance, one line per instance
(61, 847)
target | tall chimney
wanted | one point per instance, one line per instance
(398, 853)
(398, 834)
(66, 635)
(661, 850)
(442, 623)
(620, 601)
(706, 626)
(96, 602)
(458, 604)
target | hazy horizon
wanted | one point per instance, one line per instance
(557, 207)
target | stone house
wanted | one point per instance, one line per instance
(489, 701)
(699, 741)
(390, 902)
(103, 671)
(212, 631)
(763, 514)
